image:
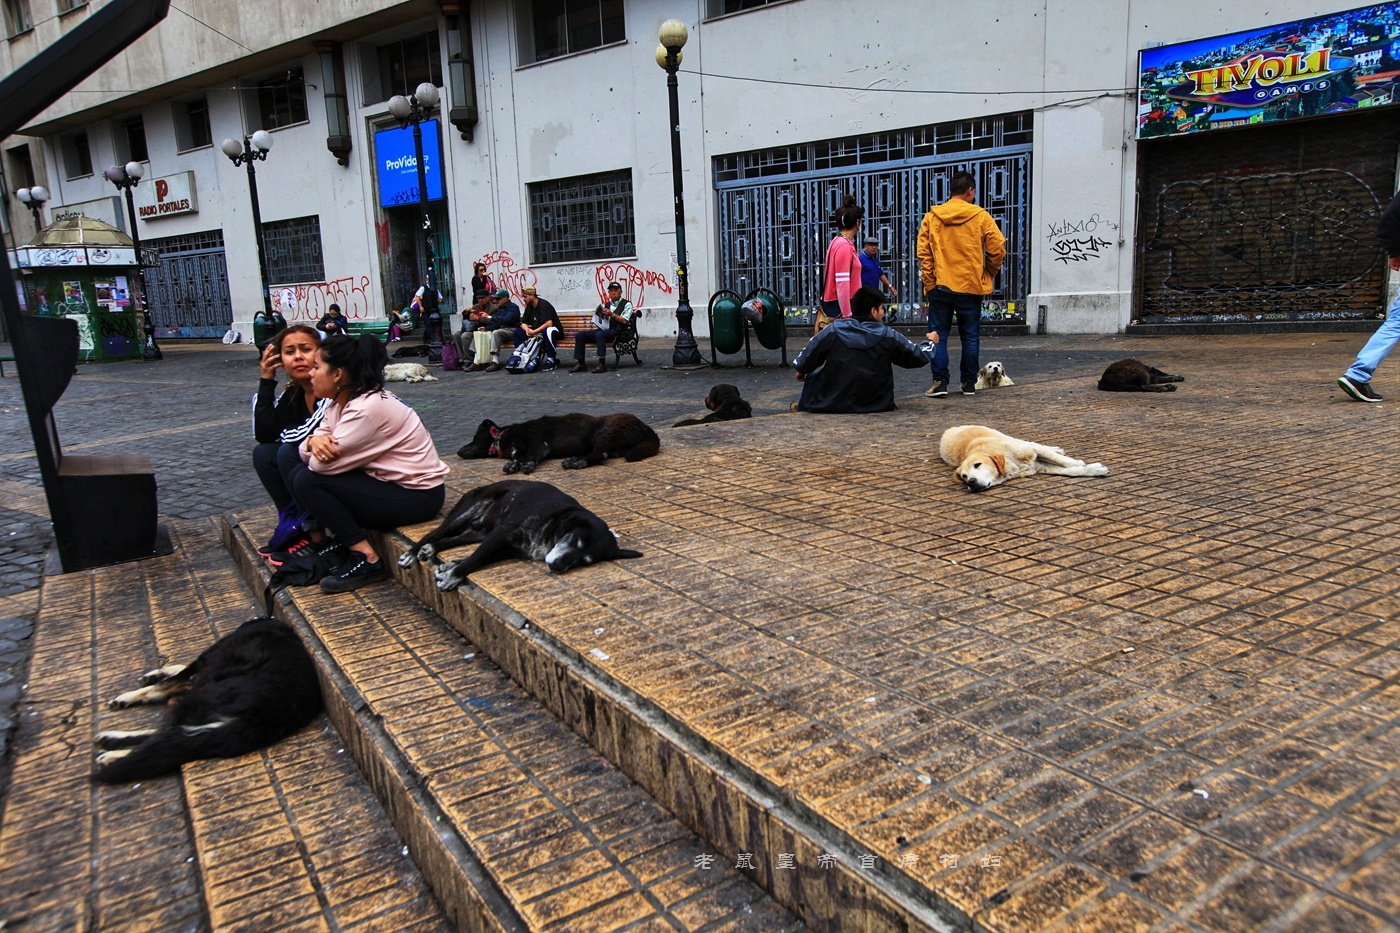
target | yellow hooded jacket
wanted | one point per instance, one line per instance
(960, 248)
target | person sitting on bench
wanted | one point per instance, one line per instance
(610, 321)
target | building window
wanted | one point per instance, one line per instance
(77, 160)
(21, 167)
(561, 27)
(129, 139)
(715, 8)
(293, 249)
(583, 219)
(17, 17)
(192, 125)
(405, 64)
(67, 6)
(282, 100)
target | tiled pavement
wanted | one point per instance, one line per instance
(1161, 699)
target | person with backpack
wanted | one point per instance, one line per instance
(538, 320)
(370, 464)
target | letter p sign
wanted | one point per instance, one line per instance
(162, 189)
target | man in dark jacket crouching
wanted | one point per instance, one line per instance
(845, 369)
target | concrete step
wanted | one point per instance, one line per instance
(561, 638)
(287, 839)
(517, 822)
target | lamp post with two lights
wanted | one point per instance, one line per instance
(668, 55)
(34, 199)
(414, 111)
(125, 178)
(252, 149)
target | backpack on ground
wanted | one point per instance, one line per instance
(526, 357)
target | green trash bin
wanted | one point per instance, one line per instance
(726, 322)
(771, 331)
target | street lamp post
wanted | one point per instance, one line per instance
(668, 55)
(413, 111)
(252, 149)
(34, 199)
(126, 177)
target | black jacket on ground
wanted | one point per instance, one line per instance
(1389, 230)
(847, 366)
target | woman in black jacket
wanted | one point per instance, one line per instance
(289, 418)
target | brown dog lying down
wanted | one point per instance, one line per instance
(983, 457)
(1132, 376)
(724, 404)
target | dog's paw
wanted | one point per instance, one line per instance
(106, 758)
(414, 555)
(528, 467)
(447, 578)
(160, 675)
(512, 466)
(1168, 387)
(1096, 469)
(574, 463)
(408, 559)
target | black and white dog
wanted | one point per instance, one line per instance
(724, 403)
(249, 689)
(520, 519)
(582, 440)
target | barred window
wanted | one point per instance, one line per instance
(583, 219)
(293, 249)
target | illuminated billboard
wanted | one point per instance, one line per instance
(396, 163)
(1306, 68)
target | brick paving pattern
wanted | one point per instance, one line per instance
(1163, 699)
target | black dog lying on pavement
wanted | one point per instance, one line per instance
(255, 686)
(582, 440)
(1132, 376)
(516, 518)
(724, 404)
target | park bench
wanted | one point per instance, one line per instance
(575, 322)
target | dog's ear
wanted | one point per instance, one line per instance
(1000, 461)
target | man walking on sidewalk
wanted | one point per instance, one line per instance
(960, 250)
(1356, 382)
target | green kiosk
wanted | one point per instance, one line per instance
(85, 270)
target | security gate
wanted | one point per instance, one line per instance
(776, 206)
(188, 292)
(1266, 223)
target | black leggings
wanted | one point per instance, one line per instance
(345, 503)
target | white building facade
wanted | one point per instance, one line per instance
(553, 154)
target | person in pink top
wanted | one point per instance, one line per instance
(841, 279)
(370, 464)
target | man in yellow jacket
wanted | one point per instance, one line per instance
(960, 251)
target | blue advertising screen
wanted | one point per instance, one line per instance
(397, 164)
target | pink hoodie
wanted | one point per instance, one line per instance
(842, 273)
(379, 434)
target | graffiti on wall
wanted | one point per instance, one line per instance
(308, 302)
(634, 281)
(1080, 240)
(500, 265)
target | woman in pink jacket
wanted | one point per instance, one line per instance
(842, 277)
(370, 464)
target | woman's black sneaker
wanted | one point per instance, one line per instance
(355, 573)
(1361, 391)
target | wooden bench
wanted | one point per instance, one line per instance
(576, 322)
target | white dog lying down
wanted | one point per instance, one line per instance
(984, 458)
(408, 372)
(992, 375)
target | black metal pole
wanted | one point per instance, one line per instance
(686, 353)
(149, 351)
(432, 310)
(249, 157)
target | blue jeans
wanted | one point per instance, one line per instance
(942, 306)
(1378, 346)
